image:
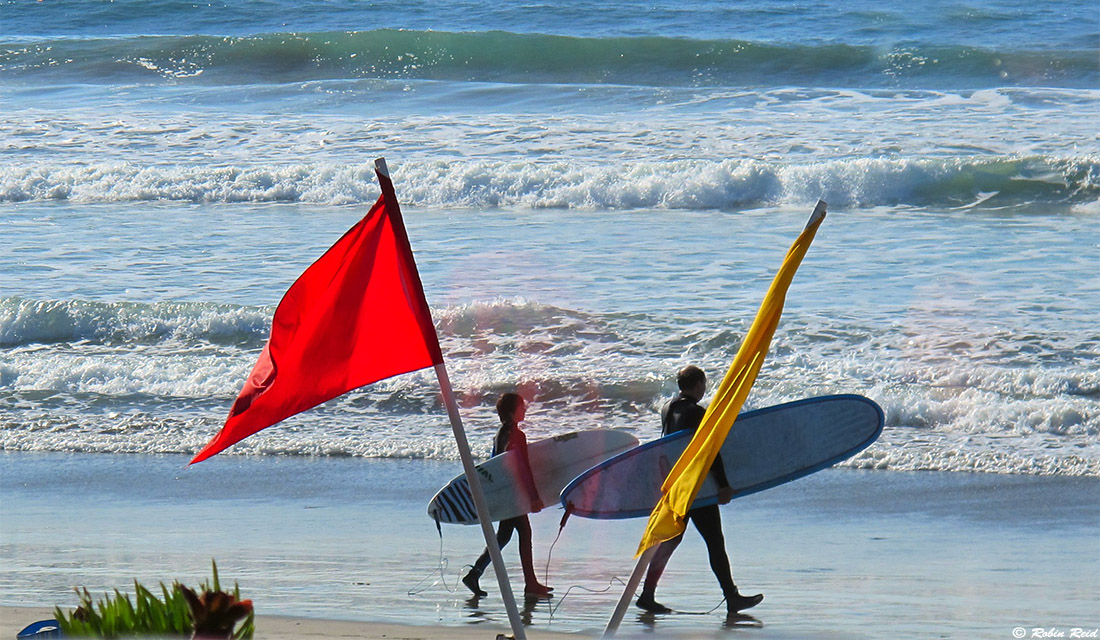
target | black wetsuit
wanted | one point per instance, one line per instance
(511, 438)
(680, 413)
(683, 412)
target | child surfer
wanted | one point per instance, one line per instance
(512, 409)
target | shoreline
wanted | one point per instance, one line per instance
(277, 627)
(344, 548)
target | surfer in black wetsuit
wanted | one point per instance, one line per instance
(512, 409)
(684, 412)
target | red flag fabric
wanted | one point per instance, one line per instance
(356, 316)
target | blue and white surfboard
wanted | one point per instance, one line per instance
(765, 448)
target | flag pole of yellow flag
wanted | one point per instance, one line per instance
(682, 484)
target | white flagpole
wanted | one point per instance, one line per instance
(479, 503)
(628, 594)
(474, 482)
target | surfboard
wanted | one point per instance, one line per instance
(765, 448)
(554, 462)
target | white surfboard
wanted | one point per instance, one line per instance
(765, 448)
(554, 462)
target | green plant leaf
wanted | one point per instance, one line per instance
(116, 615)
(217, 585)
(246, 629)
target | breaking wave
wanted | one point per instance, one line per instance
(27, 322)
(684, 184)
(159, 378)
(499, 56)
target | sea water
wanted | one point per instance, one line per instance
(596, 194)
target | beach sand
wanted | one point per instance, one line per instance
(840, 554)
(12, 619)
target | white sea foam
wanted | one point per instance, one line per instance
(721, 185)
(154, 391)
(935, 451)
(600, 148)
(25, 322)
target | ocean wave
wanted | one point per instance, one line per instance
(987, 182)
(27, 322)
(499, 56)
(159, 378)
(968, 460)
(427, 436)
(144, 403)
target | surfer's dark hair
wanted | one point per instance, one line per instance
(690, 376)
(507, 405)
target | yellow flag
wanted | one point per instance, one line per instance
(682, 484)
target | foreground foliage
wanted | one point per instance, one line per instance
(210, 613)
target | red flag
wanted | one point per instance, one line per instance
(356, 316)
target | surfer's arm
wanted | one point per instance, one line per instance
(717, 468)
(518, 443)
(718, 471)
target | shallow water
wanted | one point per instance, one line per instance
(136, 340)
(843, 553)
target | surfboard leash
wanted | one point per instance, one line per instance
(561, 600)
(561, 527)
(569, 591)
(440, 569)
(610, 583)
(700, 613)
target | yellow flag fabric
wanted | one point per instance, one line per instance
(682, 484)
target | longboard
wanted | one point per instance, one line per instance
(554, 462)
(765, 448)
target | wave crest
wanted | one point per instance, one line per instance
(685, 184)
(24, 322)
(499, 56)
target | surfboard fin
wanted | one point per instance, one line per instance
(565, 516)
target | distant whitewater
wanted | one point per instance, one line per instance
(1072, 184)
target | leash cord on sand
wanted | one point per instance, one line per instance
(441, 570)
(700, 613)
(610, 583)
(550, 553)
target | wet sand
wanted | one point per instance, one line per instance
(841, 554)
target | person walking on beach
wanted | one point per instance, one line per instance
(680, 413)
(512, 409)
